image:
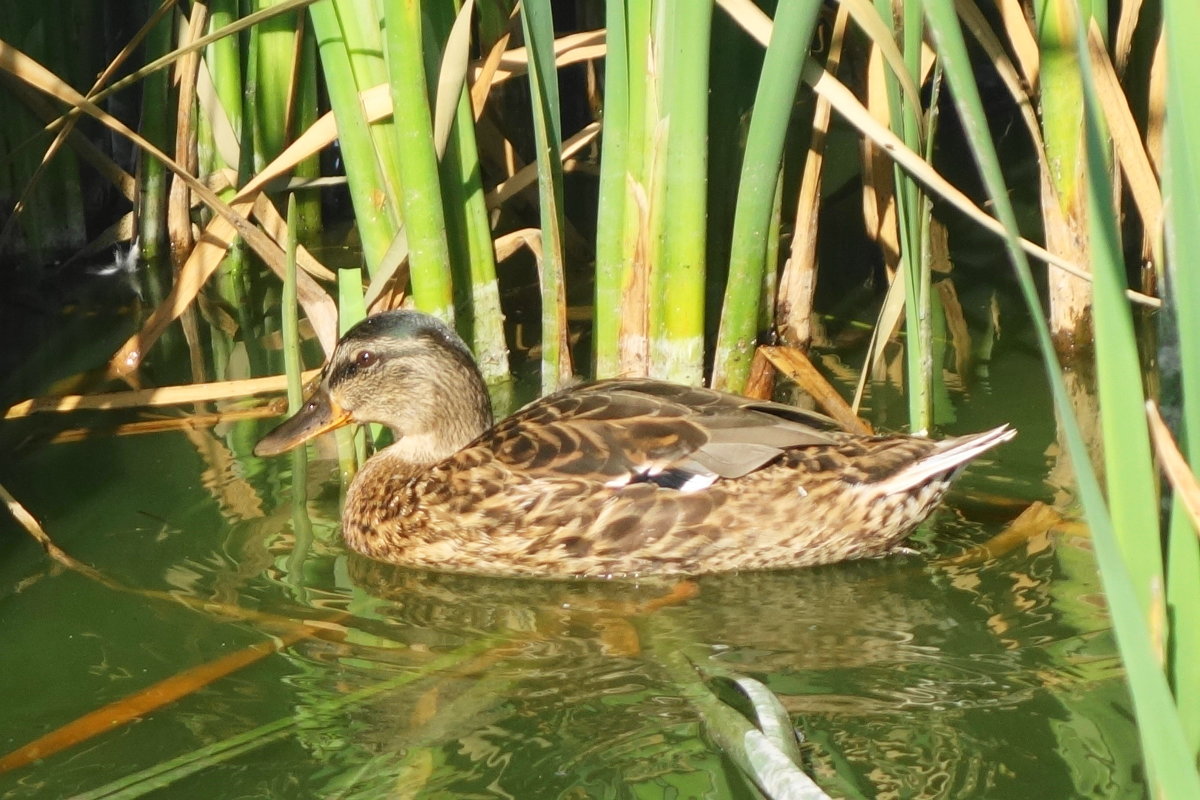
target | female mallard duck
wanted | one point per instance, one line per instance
(610, 478)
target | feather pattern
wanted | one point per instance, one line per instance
(610, 478)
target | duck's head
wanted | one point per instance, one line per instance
(403, 369)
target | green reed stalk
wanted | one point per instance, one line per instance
(630, 113)
(153, 176)
(290, 312)
(1130, 471)
(940, 405)
(52, 220)
(770, 285)
(249, 118)
(1061, 94)
(677, 278)
(275, 67)
(1172, 766)
(223, 59)
(442, 77)
(642, 163)
(785, 56)
(901, 74)
(352, 442)
(611, 263)
(1181, 193)
(467, 219)
(911, 210)
(307, 110)
(375, 211)
(223, 62)
(359, 21)
(538, 26)
(1061, 104)
(285, 99)
(421, 194)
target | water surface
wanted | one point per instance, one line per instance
(921, 676)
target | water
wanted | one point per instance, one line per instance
(911, 677)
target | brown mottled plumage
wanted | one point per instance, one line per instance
(615, 477)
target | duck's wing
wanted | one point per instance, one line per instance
(623, 431)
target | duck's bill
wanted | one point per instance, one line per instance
(318, 415)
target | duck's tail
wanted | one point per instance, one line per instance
(946, 460)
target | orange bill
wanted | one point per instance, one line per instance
(318, 415)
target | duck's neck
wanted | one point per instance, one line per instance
(453, 412)
(423, 449)
(384, 494)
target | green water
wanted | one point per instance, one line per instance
(910, 677)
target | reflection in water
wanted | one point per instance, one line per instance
(909, 677)
(894, 674)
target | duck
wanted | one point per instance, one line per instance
(613, 478)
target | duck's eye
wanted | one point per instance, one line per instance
(366, 358)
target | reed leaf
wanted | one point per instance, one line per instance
(794, 305)
(1129, 467)
(843, 100)
(152, 398)
(244, 23)
(452, 72)
(912, 210)
(771, 716)
(1161, 731)
(1183, 483)
(1181, 191)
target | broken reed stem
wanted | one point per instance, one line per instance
(794, 364)
(34, 528)
(1174, 465)
(164, 773)
(1038, 519)
(191, 422)
(162, 396)
(128, 709)
(761, 383)
(168, 690)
